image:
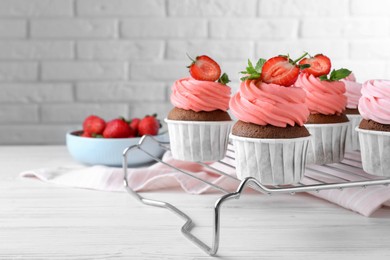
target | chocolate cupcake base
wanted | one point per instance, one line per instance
(351, 111)
(326, 119)
(189, 115)
(250, 130)
(372, 125)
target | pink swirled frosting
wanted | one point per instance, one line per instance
(375, 101)
(353, 91)
(191, 94)
(323, 97)
(262, 104)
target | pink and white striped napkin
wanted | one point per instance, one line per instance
(159, 176)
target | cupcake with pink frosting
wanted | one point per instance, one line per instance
(353, 94)
(199, 124)
(374, 129)
(326, 100)
(270, 138)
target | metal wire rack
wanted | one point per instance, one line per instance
(350, 166)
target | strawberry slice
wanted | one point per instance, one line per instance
(280, 70)
(204, 68)
(319, 65)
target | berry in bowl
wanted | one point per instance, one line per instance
(103, 143)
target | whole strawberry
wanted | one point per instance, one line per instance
(93, 125)
(118, 128)
(134, 124)
(86, 134)
(204, 68)
(149, 125)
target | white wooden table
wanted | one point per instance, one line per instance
(43, 221)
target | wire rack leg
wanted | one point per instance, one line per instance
(189, 224)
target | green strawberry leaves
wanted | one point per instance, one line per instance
(253, 72)
(224, 79)
(303, 66)
(336, 75)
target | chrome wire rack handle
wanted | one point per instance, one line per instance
(189, 224)
(242, 185)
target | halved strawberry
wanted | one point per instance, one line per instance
(204, 68)
(319, 65)
(280, 70)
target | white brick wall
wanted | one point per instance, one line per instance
(61, 60)
(12, 28)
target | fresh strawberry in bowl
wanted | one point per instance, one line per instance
(97, 145)
(93, 125)
(118, 128)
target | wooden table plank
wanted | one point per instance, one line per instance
(44, 221)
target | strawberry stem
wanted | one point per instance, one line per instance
(190, 57)
(302, 56)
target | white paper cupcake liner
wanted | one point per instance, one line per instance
(375, 151)
(271, 161)
(352, 139)
(199, 141)
(327, 144)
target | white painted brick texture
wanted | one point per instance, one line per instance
(61, 60)
(118, 8)
(36, 8)
(36, 50)
(73, 28)
(83, 70)
(12, 28)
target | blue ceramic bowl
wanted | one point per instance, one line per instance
(109, 151)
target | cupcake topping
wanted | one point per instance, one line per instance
(336, 75)
(201, 92)
(204, 68)
(375, 101)
(324, 94)
(319, 65)
(280, 70)
(191, 94)
(261, 103)
(353, 91)
(322, 97)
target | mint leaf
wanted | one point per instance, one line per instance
(259, 65)
(339, 74)
(254, 76)
(336, 75)
(224, 79)
(250, 65)
(253, 72)
(244, 78)
(323, 77)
